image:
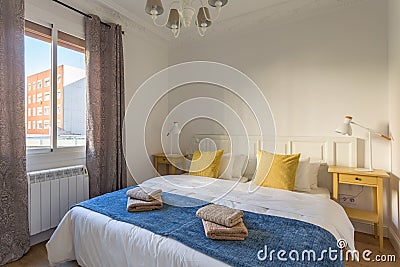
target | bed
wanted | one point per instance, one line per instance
(94, 239)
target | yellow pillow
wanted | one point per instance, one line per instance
(206, 163)
(276, 171)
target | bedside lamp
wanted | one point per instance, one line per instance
(175, 130)
(346, 129)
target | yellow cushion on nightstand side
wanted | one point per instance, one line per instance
(276, 171)
(206, 163)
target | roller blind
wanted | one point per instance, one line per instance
(43, 33)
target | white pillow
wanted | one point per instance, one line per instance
(303, 181)
(251, 167)
(232, 166)
(313, 169)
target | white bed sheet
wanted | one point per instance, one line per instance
(97, 240)
(320, 191)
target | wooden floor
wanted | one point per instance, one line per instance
(364, 242)
(37, 256)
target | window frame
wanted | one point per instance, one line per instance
(47, 82)
(39, 111)
(46, 97)
(55, 37)
(46, 108)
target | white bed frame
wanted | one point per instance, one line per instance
(343, 151)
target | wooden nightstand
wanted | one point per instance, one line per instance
(170, 160)
(348, 175)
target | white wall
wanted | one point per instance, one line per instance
(312, 71)
(315, 71)
(394, 118)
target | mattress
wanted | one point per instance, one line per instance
(94, 239)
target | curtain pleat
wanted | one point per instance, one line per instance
(105, 107)
(14, 224)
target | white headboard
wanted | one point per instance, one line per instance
(343, 151)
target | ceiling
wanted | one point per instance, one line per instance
(237, 13)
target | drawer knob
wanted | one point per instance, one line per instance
(358, 179)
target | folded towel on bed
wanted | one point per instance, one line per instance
(136, 205)
(221, 215)
(144, 194)
(220, 232)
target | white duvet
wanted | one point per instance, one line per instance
(97, 240)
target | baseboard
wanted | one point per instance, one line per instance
(368, 228)
(395, 240)
(41, 237)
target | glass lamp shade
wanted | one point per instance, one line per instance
(173, 19)
(154, 5)
(213, 3)
(202, 16)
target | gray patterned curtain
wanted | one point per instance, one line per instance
(105, 107)
(14, 225)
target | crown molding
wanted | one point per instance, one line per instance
(111, 12)
(282, 13)
(275, 14)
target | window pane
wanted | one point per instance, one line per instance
(37, 68)
(71, 98)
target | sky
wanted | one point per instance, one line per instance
(38, 56)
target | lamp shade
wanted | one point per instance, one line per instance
(173, 19)
(176, 129)
(155, 5)
(345, 128)
(215, 3)
(202, 16)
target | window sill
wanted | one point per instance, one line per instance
(44, 158)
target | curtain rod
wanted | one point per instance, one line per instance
(80, 12)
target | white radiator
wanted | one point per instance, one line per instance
(52, 193)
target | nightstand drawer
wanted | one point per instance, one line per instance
(357, 179)
(162, 160)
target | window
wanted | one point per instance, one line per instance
(46, 124)
(71, 94)
(47, 96)
(29, 99)
(47, 82)
(29, 112)
(29, 86)
(70, 88)
(29, 125)
(46, 110)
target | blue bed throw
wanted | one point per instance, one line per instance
(272, 241)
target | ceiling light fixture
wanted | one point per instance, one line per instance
(181, 12)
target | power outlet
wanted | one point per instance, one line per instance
(347, 200)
